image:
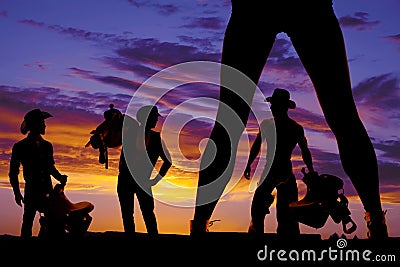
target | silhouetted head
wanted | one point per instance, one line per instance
(280, 101)
(34, 121)
(148, 115)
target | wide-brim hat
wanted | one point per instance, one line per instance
(146, 112)
(32, 118)
(281, 97)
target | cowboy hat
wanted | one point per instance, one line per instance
(281, 97)
(146, 112)
(33, 117)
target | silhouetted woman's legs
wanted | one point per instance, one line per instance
(323, 55)
(249, 38)
(245, 51)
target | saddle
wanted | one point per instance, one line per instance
(108, 134)
(62, 216)
(324, 197)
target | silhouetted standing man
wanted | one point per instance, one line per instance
(278, 172)
(317, 37)
(35, 154)
(141, 149)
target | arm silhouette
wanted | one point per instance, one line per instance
(167, 163)
(306, 154)
(254, 151)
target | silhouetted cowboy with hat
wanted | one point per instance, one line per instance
(35, 154)
(278, 171)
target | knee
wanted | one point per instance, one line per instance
(344, 124)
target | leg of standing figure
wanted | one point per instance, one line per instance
(146, 203)
(27, 220)
(126, 201)
(262, 201)
(244, 50)
(323, 55)
(211, 180)
(286, 193)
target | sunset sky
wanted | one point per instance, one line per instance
(74, 58)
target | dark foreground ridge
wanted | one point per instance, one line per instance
(213, 249)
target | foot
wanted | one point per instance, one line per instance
(199, 227)
(376, 225)
(255, 229)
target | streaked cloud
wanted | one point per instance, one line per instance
(207, 23)
(393, 38)
(163, 9)
(358, 21)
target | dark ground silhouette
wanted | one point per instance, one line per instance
(216, 248)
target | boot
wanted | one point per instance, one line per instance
(268, 203)
(258, 213)
(199, 227)
(376, 225)
(256, 229)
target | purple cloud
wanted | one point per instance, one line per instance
(379, 93)
(208, 23)
(36, 65)
(204, 43)
(389, 175)
(359, 21)
(167, 9)
(393, 39)
(162, 9)
(390, 149)
(20, 100)
(153, 52)
(33, 23)
(110, 80)
(146, 56)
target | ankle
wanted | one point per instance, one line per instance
(376, 224)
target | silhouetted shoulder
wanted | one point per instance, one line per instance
(48, 143)
(23, 143)
(20, 143)
(297, 125)
(267, 123)
(267, 128)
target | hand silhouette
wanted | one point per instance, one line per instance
(155, 180)
(63, 179)
(19, 199)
